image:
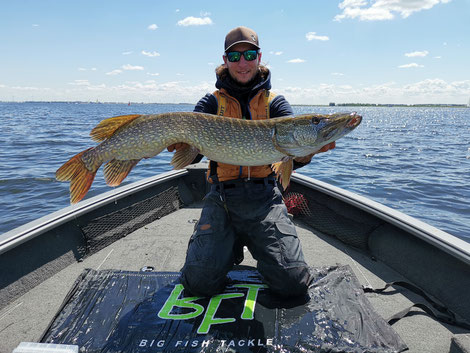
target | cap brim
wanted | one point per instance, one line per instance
(242, 41)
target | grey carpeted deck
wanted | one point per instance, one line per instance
(162, 245)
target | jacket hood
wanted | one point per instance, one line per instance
(261, 81)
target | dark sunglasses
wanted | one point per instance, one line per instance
(249, 55)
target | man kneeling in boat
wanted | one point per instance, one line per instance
(244, 206)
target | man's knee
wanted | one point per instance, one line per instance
(202, 282)
(288, 282)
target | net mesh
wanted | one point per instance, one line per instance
(297, 204)
(330, 217)
(102, 231)
(319, 211)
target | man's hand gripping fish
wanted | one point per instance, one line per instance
(125, 140)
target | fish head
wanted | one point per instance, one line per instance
(306, 134)
(332, 127)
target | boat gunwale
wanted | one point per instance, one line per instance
(31, 230)
(436, 237)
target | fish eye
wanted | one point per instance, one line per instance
(316, 120)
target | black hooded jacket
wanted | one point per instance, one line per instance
(279, 105)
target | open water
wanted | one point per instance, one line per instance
(415, 160)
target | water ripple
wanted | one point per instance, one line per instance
(416, 160)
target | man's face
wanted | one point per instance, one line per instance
(243, 71)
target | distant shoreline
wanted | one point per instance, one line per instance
(399, 105)
(300, 105)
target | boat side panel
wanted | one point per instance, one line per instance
(332, 216)
(443, 276)
(30, 263)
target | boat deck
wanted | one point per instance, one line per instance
(162, 245)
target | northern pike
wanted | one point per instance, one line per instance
(125, 140)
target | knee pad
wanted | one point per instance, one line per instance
(202, 282)
(289, 281)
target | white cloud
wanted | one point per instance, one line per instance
(152, 27)
(80, 83)
(296, 61)
(150, 54)
(170, 85)
(126, 67)
(407, 66)
(277, 53)
(153, 74)
(97, 87)
(379, 10)
(422, 92)
(85, 84)
(27, 88)
(417, 53)
(130, 67)
(195, 21)
(85, 69)
(114, 72)
(437, 87)
(35, 25)
(168, 92)
(337, 74)
(433, 90)
(314, 36)
(127, 53)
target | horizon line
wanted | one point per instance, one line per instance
(301, 104)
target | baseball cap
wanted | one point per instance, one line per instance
(241, 35)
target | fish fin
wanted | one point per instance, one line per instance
(78, 174)
(115, 171)
(106, 128)
(184, 156)
(283, 171)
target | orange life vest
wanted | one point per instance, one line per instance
(230, 107)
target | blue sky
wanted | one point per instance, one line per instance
(370, 51)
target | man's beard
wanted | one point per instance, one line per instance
(246, 84)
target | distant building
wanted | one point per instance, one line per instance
(332, 104)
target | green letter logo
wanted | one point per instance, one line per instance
(173, 301)
(250, 302)
(209, 318)
(214, 303)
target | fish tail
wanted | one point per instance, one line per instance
(78, 174)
